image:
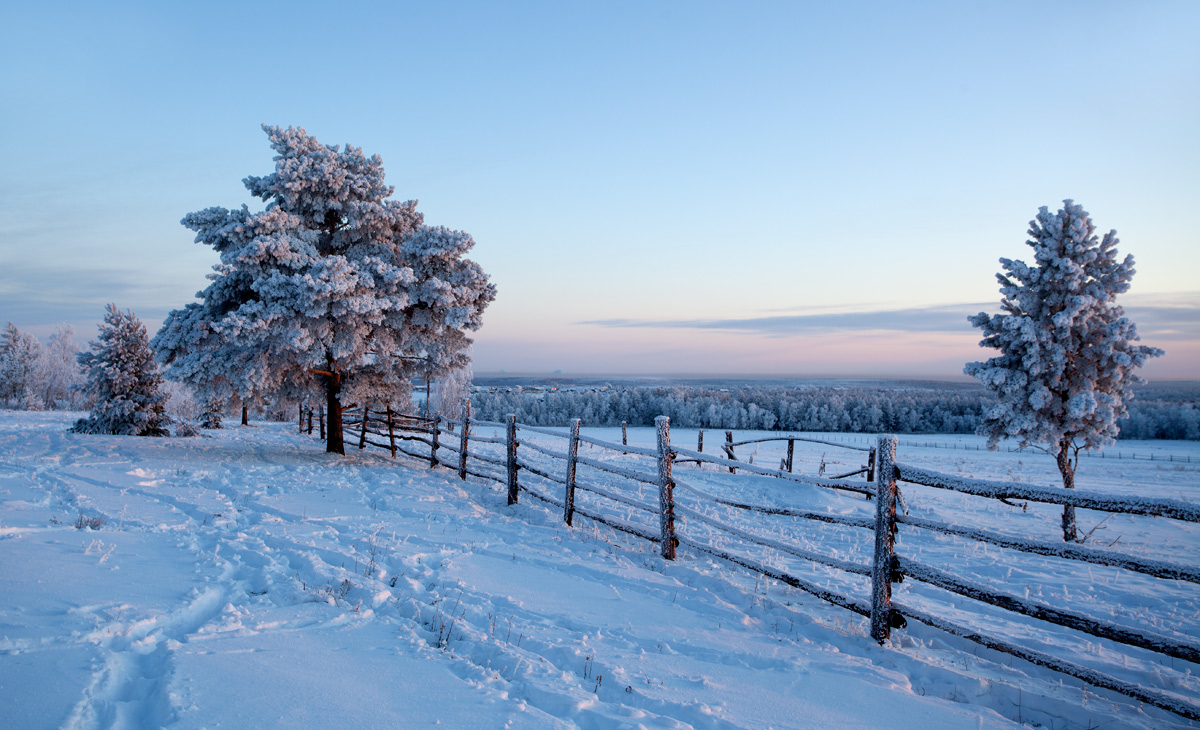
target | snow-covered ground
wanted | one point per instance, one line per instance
(248, 579)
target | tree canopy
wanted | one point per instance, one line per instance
(333, 287)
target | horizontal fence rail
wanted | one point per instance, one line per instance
(671, 512)
(1173, 508)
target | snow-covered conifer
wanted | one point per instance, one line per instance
(1067, 352)
(124, 379)
(211, 411)
(333, 288)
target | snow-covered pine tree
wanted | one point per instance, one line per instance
(1067, 352)
(333, 289)
(123, 378)
(211, 411)
(19, 354)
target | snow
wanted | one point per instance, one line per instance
(248, 579)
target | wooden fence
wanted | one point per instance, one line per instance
(1109, 453)
(655, 501)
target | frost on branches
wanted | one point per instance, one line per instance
(59, 378)
(19, 355)
(1067, 352)
(333, 289)
(123, 378)
(451, 393)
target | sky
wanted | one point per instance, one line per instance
(655, 188)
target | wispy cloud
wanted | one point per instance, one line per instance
(1169, 317)
(948, 318)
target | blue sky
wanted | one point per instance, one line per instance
(763, 187)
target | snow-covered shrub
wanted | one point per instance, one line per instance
(124, 379)
(1067, 352)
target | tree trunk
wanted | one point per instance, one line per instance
(1067, 468)
(245, 415)
(333, 387)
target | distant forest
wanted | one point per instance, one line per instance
(1160, 410)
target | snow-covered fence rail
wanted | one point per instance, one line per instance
(915, 441)
(640, 482)
(787, 462)
(1119, 454)
(386, 424)
(1173, 508)
(1165, 644)
(635, 490)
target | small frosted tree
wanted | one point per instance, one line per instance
(211, 411)
(123, 377)
(450, 393)
(1067, 353)
(19, 353)
(58, 376)
(332, 290)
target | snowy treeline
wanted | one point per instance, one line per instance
(866, 410)
(1153, 417)
(34, 376)
(1157, 412)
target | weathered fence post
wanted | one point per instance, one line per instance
(321, 418)
(391, 430)
(362, 437)
(666, 488)
(433, 444)
(871, 467)
(572, 454)
(700, 441)
(511, 445)
(462, 454)
(729, 450)
(791, 449)
(885, 539)
(624, 435)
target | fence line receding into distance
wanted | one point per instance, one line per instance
(638, 491)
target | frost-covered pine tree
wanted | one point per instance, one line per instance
(1067, 352)
(19, 354)
(211, 411)
(124, 380)
(333, 289)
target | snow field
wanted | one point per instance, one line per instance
(1168, 609)
(249, 579)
